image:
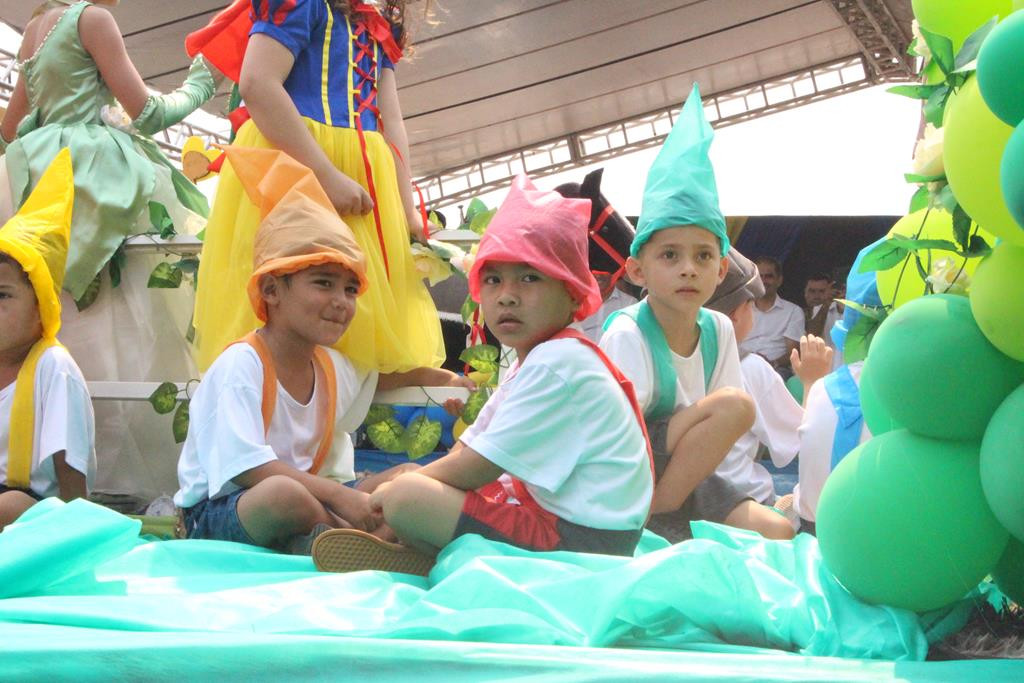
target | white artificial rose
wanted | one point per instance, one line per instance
(429, 264)
(948, 277)
(921, 48)
(928, 153)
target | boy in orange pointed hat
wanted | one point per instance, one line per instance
(268, 452)
(46, 419)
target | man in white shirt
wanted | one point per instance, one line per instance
(778, 324)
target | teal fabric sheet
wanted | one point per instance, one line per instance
(81, 596)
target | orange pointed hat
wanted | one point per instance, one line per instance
(300, 227)
(37, 237)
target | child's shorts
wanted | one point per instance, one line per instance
(217, 520)
(526, 524)
(712, 500)
(28, 492)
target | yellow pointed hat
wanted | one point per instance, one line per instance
(300, 227)
(37, 238)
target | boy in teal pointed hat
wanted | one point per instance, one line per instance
(683, 358)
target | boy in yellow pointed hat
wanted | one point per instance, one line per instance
(268, 452)
(46, 419)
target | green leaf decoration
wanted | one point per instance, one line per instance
(961, 227)
(978, 246)
(116, 264)
(935, 105)
(921, 199)
(165, 276)
(858, 340)
(386, 435)
(968, 54)
(481, 221)
(468, 309)
(179, 424)
(886, 255)
(941, 48)
(922, 272)
(917, 178)
(188, 265)
(482, 357)
(474, 403)
(421, 437)
(89, 295)
(917, 92)
(912, 244)
(946, 199)
(164, 398)
(378, 413)
(874, 312)
(435, 219)
(475, 206)
(161, 220)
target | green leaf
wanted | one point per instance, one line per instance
(978, 247)
(961, 227)
(188, 265)
(421, 437)
(164, 398)
(161, 220)
(916, 178)
(968, 53)
(858, 340)
(179, 424)
(378, 413)
(89, 295)
(941, 48)
(435, 219)
(922, 272)
(873, 312)
(946, 199)
(920, 200)
(475, 206)
(911, 244)
(386, 435)
(935, 105)
(468, 308)
(883, 257)
(116, 264)
(164, 276)
(474, 403)
(482, 357)
(917, 92)
(481, 221)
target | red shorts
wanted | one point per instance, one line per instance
(489, 512)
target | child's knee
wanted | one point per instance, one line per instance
(735, 405)
(283, 497)
(403, 494)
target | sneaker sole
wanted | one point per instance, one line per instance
(349, 550)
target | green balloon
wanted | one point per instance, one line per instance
(935, 373)
(957, 19)
(1002, 463)
(972, 150)
(878, 421)
(1011, 174)
(902, 521)
(1000, 63)
(997, 299)
(1009, 572)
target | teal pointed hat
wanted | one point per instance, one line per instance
(681, 186)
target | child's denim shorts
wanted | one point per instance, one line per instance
(217, 520)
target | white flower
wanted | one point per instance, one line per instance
(465, 261)
(928, 153)
(921, 48)
(116, 117)
(429, 264)
(948, 277)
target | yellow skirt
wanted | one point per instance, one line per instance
(396, 327)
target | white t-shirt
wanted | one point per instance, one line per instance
(226, 436)
(63, 422)
(784, 320)
(624, 343)
(561, 424)
(817, 433)
(591, 326)
(778, 419)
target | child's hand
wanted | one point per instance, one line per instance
(377, 498)
(348, 197)
(813, 360)
(354, 507)
(461, 381)
(454, 406)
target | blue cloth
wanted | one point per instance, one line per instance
(861, 288)
(844, 393)
(217, 520)
(304, 26)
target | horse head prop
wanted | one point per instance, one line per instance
(610, 232)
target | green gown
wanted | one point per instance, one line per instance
(123, 182)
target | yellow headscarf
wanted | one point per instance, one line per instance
(300, 227)
(37, 238)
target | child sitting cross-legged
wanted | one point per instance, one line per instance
(46, 419)
(268, 450)
(682, 358)
(557, 458)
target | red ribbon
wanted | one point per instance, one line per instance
(379, 28)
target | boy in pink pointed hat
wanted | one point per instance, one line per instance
(529, 471)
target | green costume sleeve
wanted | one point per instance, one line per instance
(163, 111)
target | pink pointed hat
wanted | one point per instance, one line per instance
(546, 231)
